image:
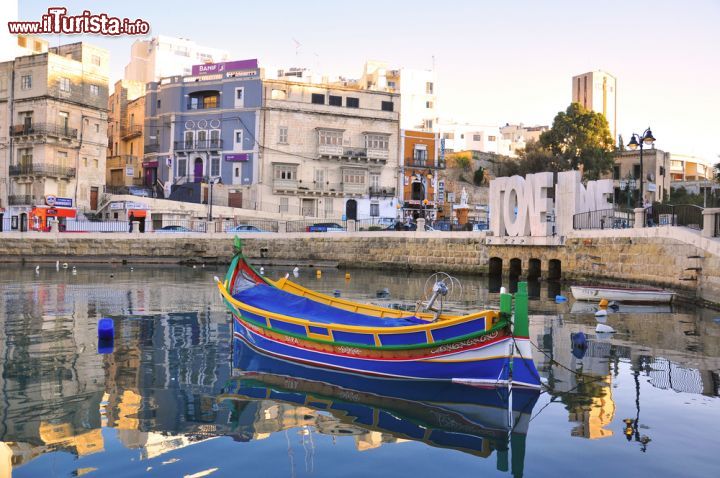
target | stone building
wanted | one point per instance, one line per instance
(655, 175)
(422, 168)
(53, 126)
(126, 117)
(328, 150)
(597, 91)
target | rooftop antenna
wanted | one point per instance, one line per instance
(297, 47)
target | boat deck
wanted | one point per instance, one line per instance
(278, 301)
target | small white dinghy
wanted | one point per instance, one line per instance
(622, 294)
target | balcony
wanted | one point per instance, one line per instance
(287, 185)
(21, 200)
(44, 129)
(423, 163)
(152, 147)
(354, 189)
(41, 169)
(379, 191)
(200, 145)
(131, 131)
(114, 162)
(364, 155)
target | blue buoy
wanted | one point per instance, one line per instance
(579, 344)
(106, 329)
(336, 293)
(105, 346)
(560, 298)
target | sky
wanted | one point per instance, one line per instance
(496, 62)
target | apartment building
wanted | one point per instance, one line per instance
(53, 124)
(126, 118)
(517, 136)
(422, 168)
(458, 137)
(164, 56)
(655, 175)
(201, 129)
(328, 150)
(597, 91)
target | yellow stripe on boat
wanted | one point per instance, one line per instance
(489, 316)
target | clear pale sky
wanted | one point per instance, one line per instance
(496, 62)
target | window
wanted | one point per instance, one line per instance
(352, 102)
(329, 207)
(330, 138)
(239, 97)
(354, 177)
(214, 166)
(387, 106)
(320, 178)
(287, 172)
(26, 82)
(283, 135)
(94, 90)
(25, 155)
(22, 42)
(335, 100)
(158, 104)
(283, 204)
(376, 141)
(96, 163)
(85, 162)
(477, 137)
(202, 138)
(492, 138)
(215, 138)
(64, 84)
(64, 117)
(210, 101)
(428, 124)
(238, 137)
(375, 181)
(420, 155)
(95, 60)
(429, 104)
(62, 189)
(278, 95)
(97, 127)
(62, 158)
(237, 171)
(448, 135)
(391, 84)
(189, 139)
(182, 167)
(616, 172)
(636, 171)
(429, 88)
(318, 99)
(374, 210)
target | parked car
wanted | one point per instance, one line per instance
(139, 191)
(325, 227)
(245, 228)
(480, 226)
(171, 229)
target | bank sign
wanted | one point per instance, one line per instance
(525, 206)
(54, 201)
(213, 68)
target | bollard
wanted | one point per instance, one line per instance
(521, 325)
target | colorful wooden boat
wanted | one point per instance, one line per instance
(288, 321)
(474, 420)
(622, 294)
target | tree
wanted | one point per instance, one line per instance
(580, 137)
(461, 160)
(479, 176)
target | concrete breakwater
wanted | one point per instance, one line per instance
(665, 259)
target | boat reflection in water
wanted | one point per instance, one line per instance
(470, 419)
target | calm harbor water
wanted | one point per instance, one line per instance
(171, 398)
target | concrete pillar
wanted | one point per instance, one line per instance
(351, 225)
(282, 227)
(421, 224)
(709, 213)
(54, 226)
(210, 227)
(639, 217)
(135, 227)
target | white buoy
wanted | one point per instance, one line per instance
(194, 266)
(216, 278)
(57, 265)
(503, 290)
(601, 313)
(604, 328)
(37, 269)
(74, 271)
(262, 271)
(132, 269)
(287, 275)
(65, 265)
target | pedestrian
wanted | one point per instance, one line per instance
(647, 205)
(130, 221)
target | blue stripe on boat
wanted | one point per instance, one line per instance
(403, 339)
(275, 300)
(390, 422)
(287, 327)
(465, 328)
(318, 330)
(353, 337)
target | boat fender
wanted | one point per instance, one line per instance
(262, 271)
(336, 293)
(604, 328)
(37, 269)
(318, 273)
(503, 290)
(603, 303)
(601, 313)
(106, 329)
(560, 298)
(347, 276)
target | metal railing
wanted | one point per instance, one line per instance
(203, 144)
(72, 225)
(130, 131)
(423, 163)
(152, 147)
(685, 215)
(21, 199)
(50, 129)
(317, 225)
(375, 224)
(41, 169)
(246, 225)
(604, 219)
(382, 191)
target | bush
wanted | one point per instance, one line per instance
(479, 176)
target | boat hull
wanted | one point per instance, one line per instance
(655, 296)
(485, 361)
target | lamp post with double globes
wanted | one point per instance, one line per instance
(639, 141)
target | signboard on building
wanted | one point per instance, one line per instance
(54, 201)
(238, 157)
(441, 191)
(212, 68)
(442, 149)
(114, 206)
(129, 171)
(451, 197)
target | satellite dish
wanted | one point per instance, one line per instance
(651, 177)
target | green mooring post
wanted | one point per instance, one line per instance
(505, 306)
(521, 326)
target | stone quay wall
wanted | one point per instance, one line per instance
(681, 261)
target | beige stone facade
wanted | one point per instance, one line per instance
(53, 118)
(126, 117)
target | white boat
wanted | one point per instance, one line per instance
(584, 307)
(621, 294)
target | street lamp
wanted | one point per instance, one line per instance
(639, 141)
